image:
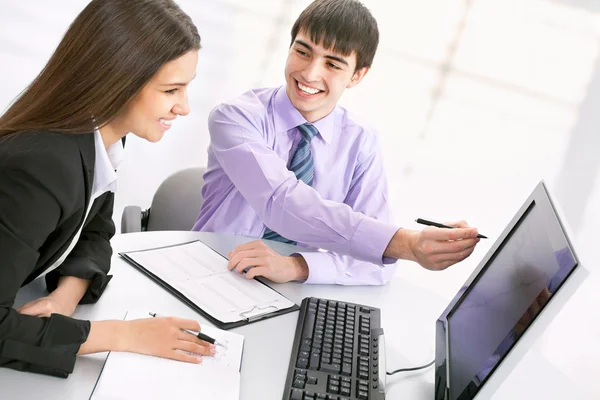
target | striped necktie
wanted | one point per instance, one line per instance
(303, 166)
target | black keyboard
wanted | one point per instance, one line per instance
(336, 353)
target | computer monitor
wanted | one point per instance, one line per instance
(523, 270)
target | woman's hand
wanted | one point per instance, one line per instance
(45, 306)
(63, 300)
(161, 337)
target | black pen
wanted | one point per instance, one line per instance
(438, 225)
(199, 335)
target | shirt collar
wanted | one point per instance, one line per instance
(287, 117)
(107, 161)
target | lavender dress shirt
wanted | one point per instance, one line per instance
(247, 185)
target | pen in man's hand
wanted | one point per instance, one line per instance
(199, 335)
(438, 225)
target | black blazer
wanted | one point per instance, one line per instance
(45, 186)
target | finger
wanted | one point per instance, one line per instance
(249, 263)
(443, 234)
(195, 348)
(442, 247)
(257, 271)
(190, 324)
(458, 256)
(39, 309)
(182, 356)
(235, 260)
(452, 258)
(458, 224)
(191, 337)
(248, 246)
(23, 307)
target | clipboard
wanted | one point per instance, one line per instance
(252, 313)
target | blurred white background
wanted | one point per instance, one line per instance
(475, 101)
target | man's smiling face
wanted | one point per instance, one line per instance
(316, 77)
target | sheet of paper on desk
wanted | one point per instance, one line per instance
(201, 274)
(135, 376)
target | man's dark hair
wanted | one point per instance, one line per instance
(343, 26)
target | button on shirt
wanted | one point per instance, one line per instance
(247, 185)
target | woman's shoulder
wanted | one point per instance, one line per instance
(42, 152)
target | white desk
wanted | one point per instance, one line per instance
(408, 319)
(268, 343)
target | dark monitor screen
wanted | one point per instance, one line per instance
(503, 297)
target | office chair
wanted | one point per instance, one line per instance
(175, 205)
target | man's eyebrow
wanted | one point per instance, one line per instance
(331, 57)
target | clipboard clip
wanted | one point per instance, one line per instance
(256, 312)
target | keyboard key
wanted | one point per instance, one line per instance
(312, 380)
(346, 369)
(333, 389)
(363, 395)
(298, 384)
(334, 368)
(315, 360)
(296, 394)
(302, 363)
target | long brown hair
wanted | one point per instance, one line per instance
(111, 50)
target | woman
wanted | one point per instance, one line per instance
(123, 66)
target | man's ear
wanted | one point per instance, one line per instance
(357, 77)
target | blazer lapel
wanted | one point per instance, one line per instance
(87, 150)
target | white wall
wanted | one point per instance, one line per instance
(475, 101)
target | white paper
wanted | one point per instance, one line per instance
(201, 275)
(135, 376)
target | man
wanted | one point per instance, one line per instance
(288, 164)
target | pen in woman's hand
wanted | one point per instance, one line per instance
(199, 335)
(438, 225)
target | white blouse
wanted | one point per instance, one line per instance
(105, 179)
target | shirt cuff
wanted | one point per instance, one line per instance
(321, 270)
(371, 239)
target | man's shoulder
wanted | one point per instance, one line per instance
(355, 126)
(251, 106)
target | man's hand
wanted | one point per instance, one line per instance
(63, 300)
(261, 260)
(434, 248)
